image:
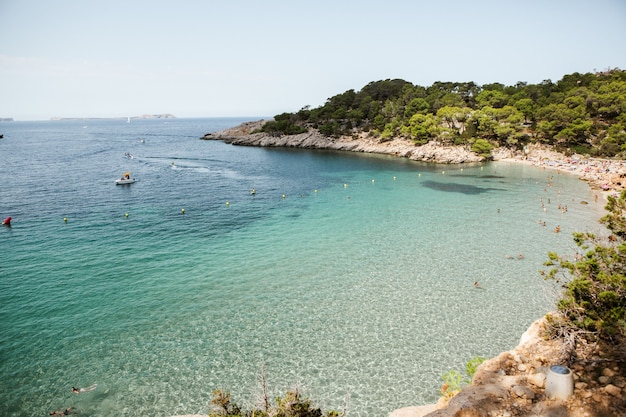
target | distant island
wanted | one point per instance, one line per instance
(142, 117)
(6, 119)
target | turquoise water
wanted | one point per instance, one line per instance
(357, 285)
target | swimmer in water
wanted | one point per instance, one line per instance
(79, 390)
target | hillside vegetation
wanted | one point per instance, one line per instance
(581, 113)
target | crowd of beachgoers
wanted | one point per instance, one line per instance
(605, 175)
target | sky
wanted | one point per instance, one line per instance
(249, 58)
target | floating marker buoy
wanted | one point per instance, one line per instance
(394, 177)
(443, 172)
(126, 215)
(228, 203)
(65, 219)
(283, 196)
(481, 168)
(373, 181)
(315, 190)
(345, 186)
(182, 211)
(419, 175)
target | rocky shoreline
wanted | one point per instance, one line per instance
(243, 135)
(604, 175)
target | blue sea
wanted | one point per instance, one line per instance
(350, 276)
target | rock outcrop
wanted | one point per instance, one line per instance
(513, 384)
(431, 152)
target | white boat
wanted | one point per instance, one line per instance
(126, 179)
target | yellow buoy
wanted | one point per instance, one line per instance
(443, 172)
(315, 190)
(373, 181)
(228, 203)
(345, 186)
(394, 177)
(126, 215)
(183, 211)
(283, 196)
(65, 219)
(419, 175)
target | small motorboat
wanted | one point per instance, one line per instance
(126, 179)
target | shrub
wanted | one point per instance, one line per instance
(453, 380)
(482, 147)
(593, 305)
(291, 405)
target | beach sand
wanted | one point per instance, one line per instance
(606, 176)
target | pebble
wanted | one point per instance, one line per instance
(523, 392)
(608, 372)
(613, 390)
(537, 379)
(604, 380)
(581, 385)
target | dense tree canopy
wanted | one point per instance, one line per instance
(584, 113)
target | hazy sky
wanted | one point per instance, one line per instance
(205, 58)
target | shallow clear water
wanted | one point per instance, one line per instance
(357, 284)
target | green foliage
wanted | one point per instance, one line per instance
(283, 124)
(453, 380)
(421, 128)
(221, 405)
(472, 365)
(482, 148)
(581, 112)
(452, 383)
(293, 404)
(593, 305)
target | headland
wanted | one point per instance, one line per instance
(605, 175)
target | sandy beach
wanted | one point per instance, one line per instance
(606, 176)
